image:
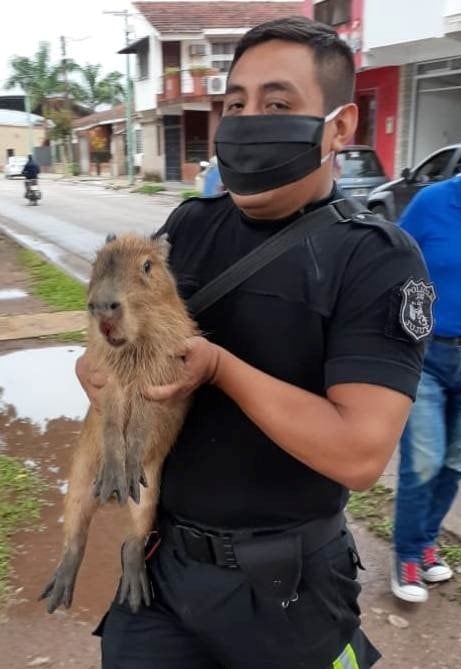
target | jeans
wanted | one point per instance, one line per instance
(430, 453)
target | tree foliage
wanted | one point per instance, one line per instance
(41, 79)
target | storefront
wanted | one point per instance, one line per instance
(436, 107)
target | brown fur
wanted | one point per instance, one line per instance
(128, 442)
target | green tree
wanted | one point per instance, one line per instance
(95, 90)
(38, 77)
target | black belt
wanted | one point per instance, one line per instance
(221, 547)
(451, 341)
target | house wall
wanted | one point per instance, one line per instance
(146, 90)
(153, 157)
(383, 83)
(17, 138)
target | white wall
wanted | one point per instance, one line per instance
(437, 122)
(398, 21)
(452, 7)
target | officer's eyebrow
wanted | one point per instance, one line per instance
(268, 87)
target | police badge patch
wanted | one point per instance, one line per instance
(416, 316)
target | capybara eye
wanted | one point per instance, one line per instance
(146, 267)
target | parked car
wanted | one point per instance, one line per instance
(391, 199)
(14, 166)
(358, 171)
(357, 168)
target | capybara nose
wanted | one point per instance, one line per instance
(105, 309)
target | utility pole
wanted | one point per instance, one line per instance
(29, 122)
(66, 92)
(128, 100)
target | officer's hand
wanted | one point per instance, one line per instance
(200, 364)
(92, 380)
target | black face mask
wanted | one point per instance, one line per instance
(263, 152)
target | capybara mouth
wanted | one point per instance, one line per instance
(113, 341)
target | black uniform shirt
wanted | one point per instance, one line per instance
(324, 313)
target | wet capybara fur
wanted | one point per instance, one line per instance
(138, 328)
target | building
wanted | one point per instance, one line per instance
(183, 54)
(426, 52)
(407, 57)
(14, 134)
(101, 142)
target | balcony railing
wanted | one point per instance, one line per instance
(190, 84)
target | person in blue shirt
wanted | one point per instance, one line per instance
(430, 464)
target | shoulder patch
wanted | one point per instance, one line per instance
(416, 317)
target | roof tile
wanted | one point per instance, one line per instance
(190, 17)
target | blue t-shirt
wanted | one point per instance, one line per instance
(433, 219)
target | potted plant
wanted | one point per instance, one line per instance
(172, 83)
(198, 73)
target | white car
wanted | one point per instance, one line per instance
(14, 166)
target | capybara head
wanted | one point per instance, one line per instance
(132, 295)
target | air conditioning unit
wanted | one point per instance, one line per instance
(217, 84)
(197, 50)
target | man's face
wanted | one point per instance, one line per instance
(279, 77)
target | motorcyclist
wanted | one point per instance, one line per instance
(30, 172)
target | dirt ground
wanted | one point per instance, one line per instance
(30, 637)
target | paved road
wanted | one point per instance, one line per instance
(73, 219)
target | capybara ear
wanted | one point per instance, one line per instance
(111, 238)
(162, 245)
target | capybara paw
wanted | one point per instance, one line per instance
(135, 586)
(111, 481)
(60, 589)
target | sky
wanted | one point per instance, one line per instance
(23, 23)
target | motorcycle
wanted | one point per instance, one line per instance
(33, 193)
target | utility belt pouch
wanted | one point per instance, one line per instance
(272, 564)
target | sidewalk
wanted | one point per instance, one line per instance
(172, 188)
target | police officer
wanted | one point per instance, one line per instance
(302, 385)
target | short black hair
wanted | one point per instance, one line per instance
(332, 56)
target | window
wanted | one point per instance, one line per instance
(143, 63)
(435, 168)
(333, 12)
(197, 50)
(353, 164)
(222, 55)
(138, 140)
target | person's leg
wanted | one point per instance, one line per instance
(153, 638)
(422, 453)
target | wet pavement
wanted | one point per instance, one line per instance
(41, 408)
(73, 220)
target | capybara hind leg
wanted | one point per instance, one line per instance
(111, 479)
(135, 586)
(80, 506)
(138, 434)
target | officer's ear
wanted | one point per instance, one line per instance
(343, 127)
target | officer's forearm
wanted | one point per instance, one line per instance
(349, 442)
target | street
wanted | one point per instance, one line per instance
(72, 219)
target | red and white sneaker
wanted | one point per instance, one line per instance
(407, 582)
(434, 569)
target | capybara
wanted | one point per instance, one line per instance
(138, 328)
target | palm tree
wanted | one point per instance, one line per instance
(38, 77)
(95, 91)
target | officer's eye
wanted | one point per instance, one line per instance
(147, 266)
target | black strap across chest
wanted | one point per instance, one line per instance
(270, 249)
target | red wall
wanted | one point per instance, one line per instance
(384, 81)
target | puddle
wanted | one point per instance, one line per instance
(41, 384)
(12, 294)
(41, 408)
